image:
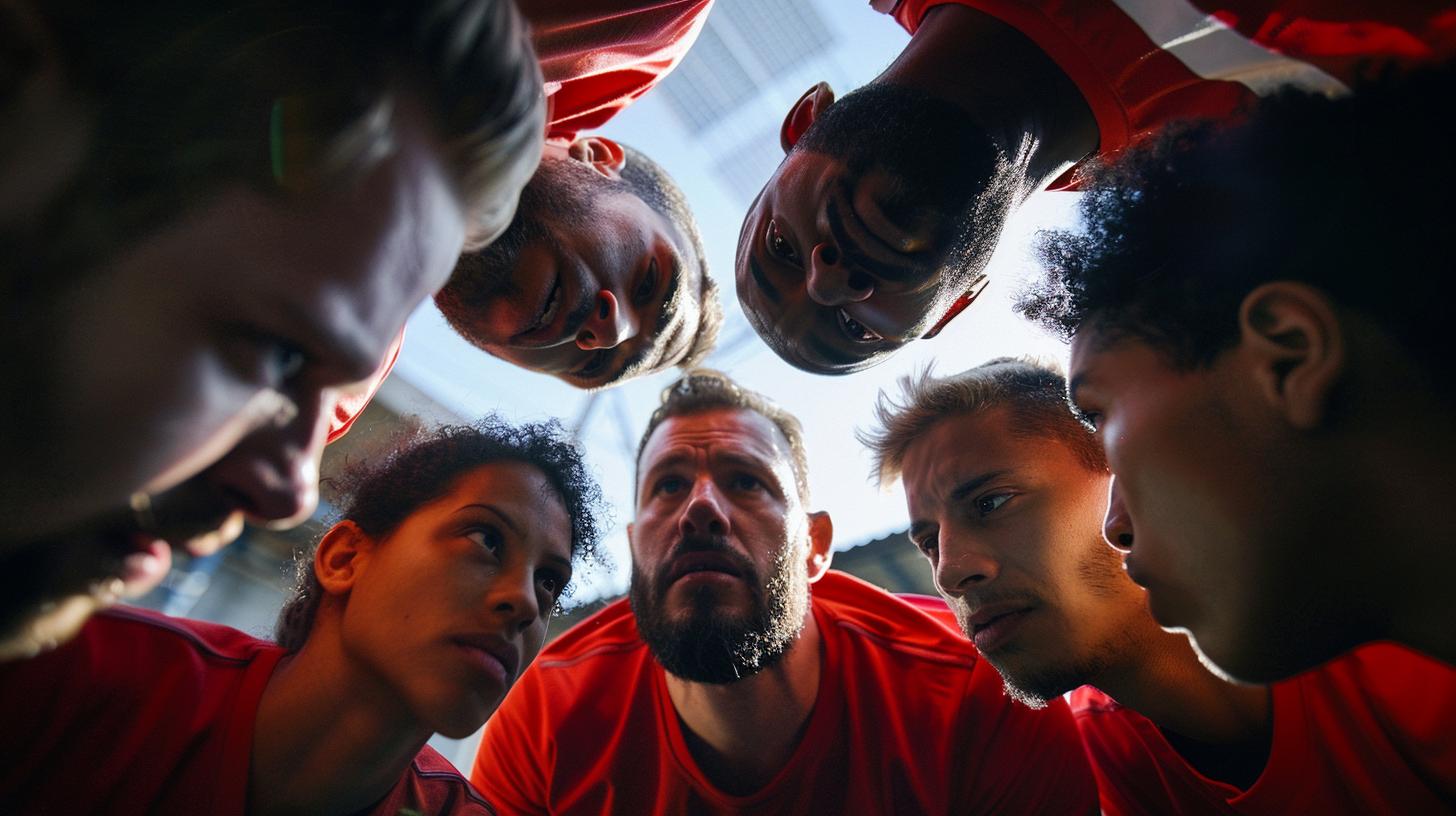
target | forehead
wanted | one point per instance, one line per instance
(516, 486)
(967, 446)
(720, 430)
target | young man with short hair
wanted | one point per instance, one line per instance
(876, 228)
(744, 676)
(1007, 493)
(214, 217)
(1259, 329)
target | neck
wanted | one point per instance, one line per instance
(742, 733)
(1223, 729)
(1025, 102)
(329, 739)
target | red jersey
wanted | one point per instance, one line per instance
(143, 713)
(908, 720)
(1371, 732)
(597, 57)
(1143, 63)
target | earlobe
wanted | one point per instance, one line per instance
(1292, 337)
(600, 154)
(958, 306)
(340, 557)
(803, 113)
(821, 541)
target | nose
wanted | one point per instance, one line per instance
(830, 282)
(513, 597)
(1117, 526)
(705, 513)
(608, 325)
(274, 470)
(959, 569)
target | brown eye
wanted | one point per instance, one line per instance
(778, 245)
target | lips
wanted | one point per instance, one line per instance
(696, 562)
(993, 625)
(545, 313)
(492, 648)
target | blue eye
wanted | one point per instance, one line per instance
(669, 485)
(744, 481)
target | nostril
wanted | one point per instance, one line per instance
(829, 254)
(1125, 541)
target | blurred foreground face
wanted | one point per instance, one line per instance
(450, 608)
(196, 367)
(1011, 525)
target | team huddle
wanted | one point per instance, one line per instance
(1200, 567)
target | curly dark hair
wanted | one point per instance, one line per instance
(1347, 195)
(378, 494)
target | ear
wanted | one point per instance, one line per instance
(803, 114)
(821, 538)
(1292, 337)
(600, 154)
(958, 306)
(340, 558)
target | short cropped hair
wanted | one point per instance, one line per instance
(702, 390)
(379, 493)
(563, 190)
(1348, 195)
(1034, 392)
(283, 97)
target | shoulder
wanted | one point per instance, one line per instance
(1399, 687)
(915, 628)
(608, 635)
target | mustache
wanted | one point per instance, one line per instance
(699, 543)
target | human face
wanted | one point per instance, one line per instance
(199, 366)
(719, 545)
(1012, 527)
(1206, 507)
(826, 275)
(449, 608)
(613, 294)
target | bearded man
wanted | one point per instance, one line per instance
(743, 676)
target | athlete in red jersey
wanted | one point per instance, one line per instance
(597, 57)
(875, 229)
(414, 616)
(742, 677)
(1006, 494)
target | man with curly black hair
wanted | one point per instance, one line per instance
(1258, 317)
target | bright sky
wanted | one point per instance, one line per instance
(471, 383)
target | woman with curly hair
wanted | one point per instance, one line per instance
(412, 616)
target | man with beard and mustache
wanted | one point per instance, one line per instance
(743, 676)
(876, 228)
(1007, 494)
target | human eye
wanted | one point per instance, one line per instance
(669, 485)
(552, 582)
(927, 544)
(857, 331)
(1089, 419)
(991, 502)
(779, 245)
(745, 482)
(647, 287)
(486, 537)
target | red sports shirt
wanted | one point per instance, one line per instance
(1373, 732)
(597, 57)
(1143, 63)
(143, 713)
(908, 720)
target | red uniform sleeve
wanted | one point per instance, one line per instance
(517, 748)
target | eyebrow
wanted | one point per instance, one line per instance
(849, 248)
(495, 511)
(971, 485)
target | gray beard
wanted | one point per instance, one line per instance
(707, 646)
